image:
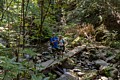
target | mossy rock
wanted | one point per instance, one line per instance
(69, 64)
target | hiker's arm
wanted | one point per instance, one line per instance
(55, 41)
(65, 43)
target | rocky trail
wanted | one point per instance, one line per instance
(93, 63)
(86, 62)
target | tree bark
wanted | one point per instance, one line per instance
(23, 23)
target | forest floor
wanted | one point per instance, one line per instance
(95, 62)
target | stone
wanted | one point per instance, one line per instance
(76, 70)
(80, 74)
(104, 78)
(101, 56)
(86, 68)
(111, 59)
(80, 78)
(101, 62)
(45, 53)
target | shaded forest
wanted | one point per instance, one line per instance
(91, 29)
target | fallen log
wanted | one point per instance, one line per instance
(53, 62)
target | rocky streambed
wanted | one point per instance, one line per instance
(93, 63)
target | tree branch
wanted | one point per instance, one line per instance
(6, 10)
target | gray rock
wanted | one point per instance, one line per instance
(101, 56)
(111, 59)
(101, 62)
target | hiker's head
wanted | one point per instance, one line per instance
(60, 36)
(53, 34)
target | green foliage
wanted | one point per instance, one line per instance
(115, 44)
(1, 45)
(31, 52)
(46, 33)
(41, 77)
(109, 54)
(110, 39)
(10, 67)
(107, 71)
(51, 76)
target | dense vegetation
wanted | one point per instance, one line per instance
(26, 24)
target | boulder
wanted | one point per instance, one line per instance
(101, 62)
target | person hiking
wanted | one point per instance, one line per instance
(54, 43)
(61, 43)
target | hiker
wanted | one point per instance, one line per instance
(61, 43)
(54, 42)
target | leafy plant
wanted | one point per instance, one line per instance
(109, 54)
(51, 76)
(115, 44)
(107, 71)
(41, 77)
(10, 67)
(30, 51)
